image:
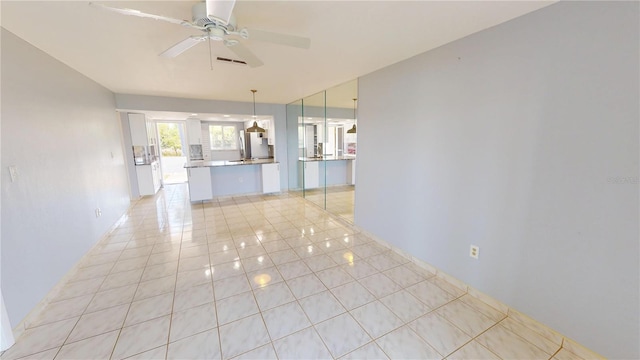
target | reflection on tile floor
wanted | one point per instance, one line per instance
(340, 200)
(262, 278)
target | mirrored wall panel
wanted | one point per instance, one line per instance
(340, 148)
(322, 128)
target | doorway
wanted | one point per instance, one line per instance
(173, 155)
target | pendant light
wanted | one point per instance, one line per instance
(255, 128)
(353, 129)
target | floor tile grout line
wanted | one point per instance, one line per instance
(215, 300)
(129, 309)
(555, 353)
(525, 339)
(83, 312)
(175, 288)
(474, 338)
(213, 289)
(471, 338)
(323, 340)
(79, 317)
(261, 311)
(299, 222)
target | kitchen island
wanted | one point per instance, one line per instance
(326, 170)
(210, 179)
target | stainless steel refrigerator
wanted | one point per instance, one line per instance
(255, 145)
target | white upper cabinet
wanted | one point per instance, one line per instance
(271, 133)
(143, 131)
(194, 131)
(152, 136)
(138, 128)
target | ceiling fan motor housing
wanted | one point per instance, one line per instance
(199, 17)
(215, 33)
(199, 14)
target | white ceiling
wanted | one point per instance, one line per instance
(348, 39)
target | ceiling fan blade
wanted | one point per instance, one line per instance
(282, 39)
(183, 46)
(220, 9)
(245, 54)
(145, 15)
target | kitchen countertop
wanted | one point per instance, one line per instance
(328, 158)
(201, 163)
(146, 163)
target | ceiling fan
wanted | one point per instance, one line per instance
(214, 18)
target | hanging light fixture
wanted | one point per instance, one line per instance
(255, 128)
(353, 129)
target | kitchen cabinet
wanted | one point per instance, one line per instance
(311, 174)
(310, 141)
(270, 132)
(271, 137)
(144, 139)
(156, 173)
(138, 129)
(200, 183)
(194, 131)
(143, 133)
(351, 172)
(149, 178)
(152, 134)
(270, 178)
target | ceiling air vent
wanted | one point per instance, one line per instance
(230, 61)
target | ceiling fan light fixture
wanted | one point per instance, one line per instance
(255, 128)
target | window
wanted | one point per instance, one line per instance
(223, 137)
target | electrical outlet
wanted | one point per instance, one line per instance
(98, 212)
(474, 251)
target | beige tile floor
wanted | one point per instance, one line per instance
(262, 278)
(340, 200)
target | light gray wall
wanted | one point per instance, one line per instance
(134, 193)
(236, 180)
(294, 110)
(128, 102)
(333, 172)
(523, 140)
(61, 131)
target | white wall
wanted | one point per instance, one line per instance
(127, 146)
(522, 139)
(219, 154)
(61, 131)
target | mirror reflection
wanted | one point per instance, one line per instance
(324, 131)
